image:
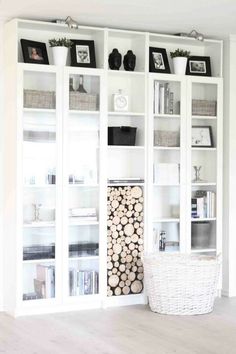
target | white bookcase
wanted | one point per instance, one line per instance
(70, 147)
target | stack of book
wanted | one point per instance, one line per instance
(82, 214)
(163, 99)
(125, 180)
(83, 282)
(83, 249)
(204, 204)
(44, 283)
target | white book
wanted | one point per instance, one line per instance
(166, 173)
(156, 97)
(162, 99)
(200, 207)
(213, 205)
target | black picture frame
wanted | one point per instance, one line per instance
(202, 139)
(83, 54)
(34, 52)
(198, 66)
(160, 55)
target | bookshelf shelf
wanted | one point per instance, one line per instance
(203, 250)
(204, 184)
(202, 219)
(166, 220)
(124, 184)
(126, 147)
(39, 110)
(167, 116)
(85, 258)
(83, 223)
(166, 148)
(131, 114)
(205, 117)
(78, 112)
(35, 261)
(39, 224)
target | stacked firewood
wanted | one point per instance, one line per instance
(124, 240)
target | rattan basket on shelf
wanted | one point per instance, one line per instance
(181, 284)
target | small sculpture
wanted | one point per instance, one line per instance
(197, 178)
(129, 61)
(114, 59)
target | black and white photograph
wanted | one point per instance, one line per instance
(158, 60)
(202, 136)
(83, 54)
(198, 66)
(34, 52)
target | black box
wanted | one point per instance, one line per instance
(121, 135)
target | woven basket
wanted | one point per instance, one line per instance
(180, 284)
(83, 101)
(203, 108)
(39, 99)
(166, 138)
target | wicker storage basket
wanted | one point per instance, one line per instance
(39, 99)
(83, 101)
(166, 138)
(203, 108)
(180, 284)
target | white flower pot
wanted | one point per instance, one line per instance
(180, 65)
(59, 55)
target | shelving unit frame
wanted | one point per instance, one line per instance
(105, 40)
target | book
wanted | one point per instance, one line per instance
(156, 97)
(40, 288)
(162, 99)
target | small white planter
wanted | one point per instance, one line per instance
(180, 65)
(59, 55)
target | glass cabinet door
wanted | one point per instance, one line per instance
(167, 156)
(82, 121)
(39, 184)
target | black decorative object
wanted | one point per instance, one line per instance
(129, 61)
(121, 136)
(114, 59)
(198, 66)
(158, 61)
(34, 52)
(83, 53)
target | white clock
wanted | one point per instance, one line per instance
(120, 102)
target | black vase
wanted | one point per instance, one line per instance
(129, 61)
(114, 60)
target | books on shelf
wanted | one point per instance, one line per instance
(84, 249)
(204, 204)
(125, 180)
(82, 214)
(39, 252)
(166, 173)
(44, 283)
(83, 282)
(163, 99)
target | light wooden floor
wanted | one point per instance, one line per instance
(126, 330)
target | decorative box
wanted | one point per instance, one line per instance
(83, 101)
(166, 138)
(39, 99)
(121, 136)
(203, 108)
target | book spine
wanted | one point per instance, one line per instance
(156, 97)
(162, 99)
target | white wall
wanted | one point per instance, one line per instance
(1, 162)
(229, 224)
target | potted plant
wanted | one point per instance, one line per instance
(180, 58)
(60, 48)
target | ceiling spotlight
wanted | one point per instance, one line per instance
(71, 23)
(192, 34)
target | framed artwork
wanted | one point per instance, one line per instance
(202, 136)
(34, 52)
(198, 66)
(83, 54)
(158, 61)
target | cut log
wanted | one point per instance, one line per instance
(136, 287)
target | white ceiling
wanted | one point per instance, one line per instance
(214, 18)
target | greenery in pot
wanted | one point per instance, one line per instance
(180, 53)
(60, 42)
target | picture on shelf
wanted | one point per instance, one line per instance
(202, 136)
(34, 52)
(200, 66)
(83, 54)
(158, 61)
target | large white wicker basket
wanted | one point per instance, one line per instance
(180, 284)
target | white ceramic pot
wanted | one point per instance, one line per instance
(180, 65)
(59, 55)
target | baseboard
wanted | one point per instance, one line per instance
(229, 293)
